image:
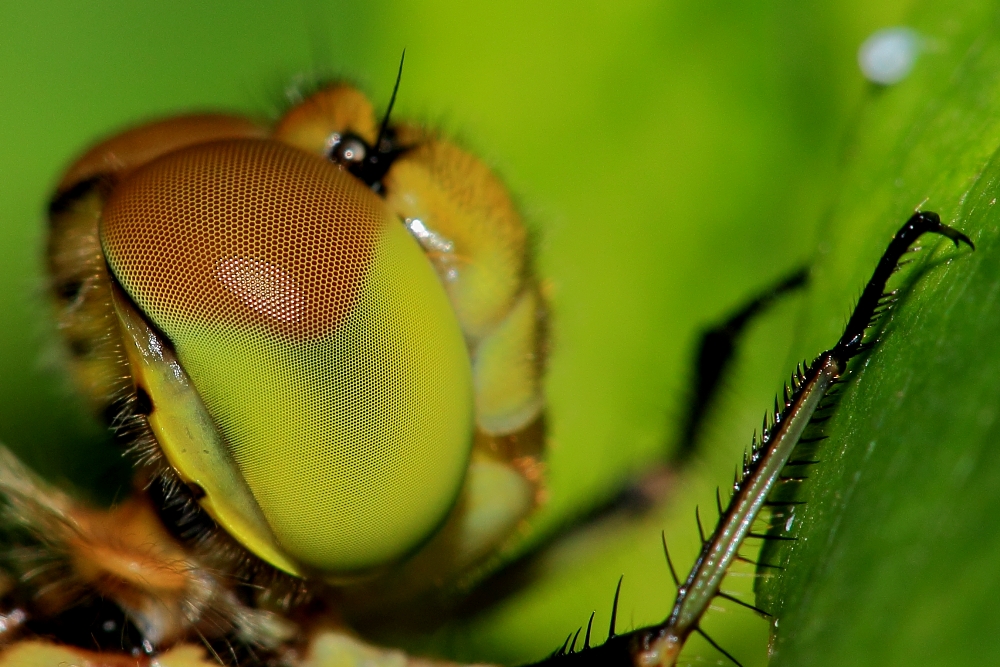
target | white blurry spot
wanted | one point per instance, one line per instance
(177, 371)
(428, 239)
(12, 620)
(887, 56)
(155, 349)
(265, 288)
(438, 245)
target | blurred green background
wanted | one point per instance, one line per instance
(672, 159)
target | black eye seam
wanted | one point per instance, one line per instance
(143, 403)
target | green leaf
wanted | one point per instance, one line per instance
(896, 554)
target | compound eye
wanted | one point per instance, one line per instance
(346, 150)
(316, 334)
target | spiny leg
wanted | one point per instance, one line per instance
(767, 460)
(661, 644)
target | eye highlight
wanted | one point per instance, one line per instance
(346, 150)
(318, 337)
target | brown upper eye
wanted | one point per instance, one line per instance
(242, 231)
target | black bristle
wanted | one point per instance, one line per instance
(614, 608)
(572, 646)
(731, 598)
(781, 538)
(751, 561)
(670, 564)
(716, 646)
(562, 649)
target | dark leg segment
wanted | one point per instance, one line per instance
(715, 352)
(920, 223)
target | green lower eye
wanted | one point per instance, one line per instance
(331, 362)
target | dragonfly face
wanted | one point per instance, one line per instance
(325, 342)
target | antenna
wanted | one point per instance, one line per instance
(392, 101)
